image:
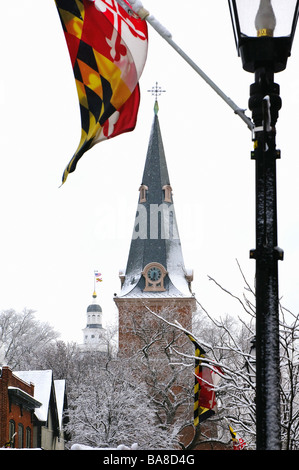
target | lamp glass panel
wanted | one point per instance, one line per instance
(284, 11)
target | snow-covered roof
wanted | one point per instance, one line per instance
(42, 380)
(170, 292)
(60, 392)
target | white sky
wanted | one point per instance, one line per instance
(53, 238)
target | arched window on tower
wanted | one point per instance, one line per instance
(143, 189)
(167, 193)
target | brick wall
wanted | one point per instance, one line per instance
(132, 311)
(12, 411)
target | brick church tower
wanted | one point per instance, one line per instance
(155, 279)
(156, 284)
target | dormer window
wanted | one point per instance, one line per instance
(167, 193)
(143, 188)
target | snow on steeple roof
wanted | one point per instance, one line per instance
(160, 243)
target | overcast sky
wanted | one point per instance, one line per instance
(52, 239)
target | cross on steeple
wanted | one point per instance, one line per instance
(156, 91)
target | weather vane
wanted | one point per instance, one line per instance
(156, 91)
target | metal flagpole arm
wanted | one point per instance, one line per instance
(144, 14)
(237, 110)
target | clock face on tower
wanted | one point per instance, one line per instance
(154, 274)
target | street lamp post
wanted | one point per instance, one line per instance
(264, 33)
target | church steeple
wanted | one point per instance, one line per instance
(155, 264)
(155, 279)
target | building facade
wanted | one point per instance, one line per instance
(17, 407)
(48, 418)
(32, 407)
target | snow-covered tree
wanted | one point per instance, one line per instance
(289, 363)
(238, 391)
(156, 363)
(110, 407)
(22, 337)
(228, 344)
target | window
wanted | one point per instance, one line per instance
(12, 432)
(143, 188)
(167, 193)
(28, 438)
(20, 436)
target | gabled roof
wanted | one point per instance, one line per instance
(44, 392)
(161, 245)
(42, 380)
(60, 399)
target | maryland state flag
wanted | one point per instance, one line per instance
(204, 389)
(108, 49)
(238, 442)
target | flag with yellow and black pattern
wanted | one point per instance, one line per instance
(107, 48)
(204, 393)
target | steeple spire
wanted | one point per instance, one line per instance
(155, 263)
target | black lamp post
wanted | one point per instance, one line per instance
(251, 362)
(264, 33)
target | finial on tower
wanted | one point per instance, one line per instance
(156, 91)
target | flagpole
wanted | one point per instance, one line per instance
(237, 110)
(145, 15)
